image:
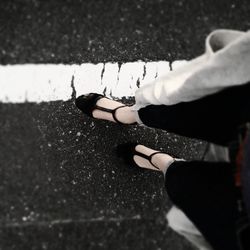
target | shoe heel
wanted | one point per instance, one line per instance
(87, 103)
(126, 151)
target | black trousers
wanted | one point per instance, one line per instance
(205, 191)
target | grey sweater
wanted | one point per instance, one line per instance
(226, 62)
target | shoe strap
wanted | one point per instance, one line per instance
(151, 156)
(103, 109)
(114, 116)
(113, 112)
(148, 157)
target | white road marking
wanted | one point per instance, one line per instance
(52, 82)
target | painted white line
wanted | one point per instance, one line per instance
(51, 82)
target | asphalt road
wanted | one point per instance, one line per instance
(61, 185)
(112, 30)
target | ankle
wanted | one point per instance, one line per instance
(126, 115)
(162, 161)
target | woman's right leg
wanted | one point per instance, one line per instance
(214, 118)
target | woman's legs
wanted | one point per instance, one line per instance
(214, 118)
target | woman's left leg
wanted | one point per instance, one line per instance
(204, 191)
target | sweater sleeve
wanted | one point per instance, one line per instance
(225, 63)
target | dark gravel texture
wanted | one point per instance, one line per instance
(62, 187)
(75, 31)
(59, 171)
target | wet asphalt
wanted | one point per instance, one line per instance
(62, 186)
